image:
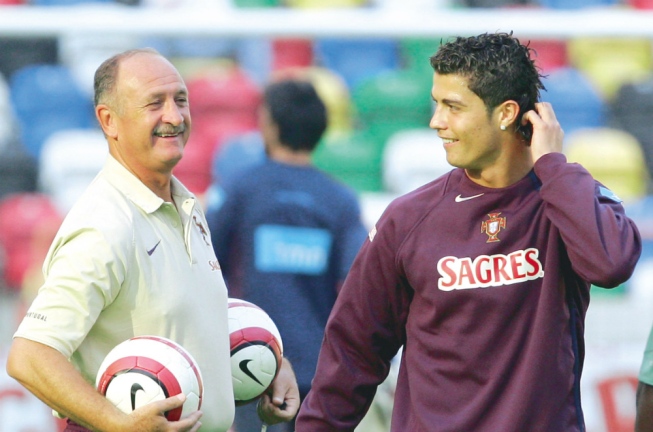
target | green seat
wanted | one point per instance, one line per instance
(353, 158)
(416, 52)
(393, 101)
(256, 3)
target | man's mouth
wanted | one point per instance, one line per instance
(169, 133)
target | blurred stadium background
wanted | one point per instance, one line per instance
(369, 61)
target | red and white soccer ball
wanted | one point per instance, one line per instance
(145, 369)
(256, 350)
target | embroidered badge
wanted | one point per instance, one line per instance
(492, 227)
(203, 231)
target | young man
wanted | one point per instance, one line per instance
(286, 233)
(133, 258)
(482, 275)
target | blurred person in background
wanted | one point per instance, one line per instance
(482, 275)
(286, 233)
(133, 257)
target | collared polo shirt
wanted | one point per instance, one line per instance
(127, 263)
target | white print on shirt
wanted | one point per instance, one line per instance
(489, 270)
(372, 233)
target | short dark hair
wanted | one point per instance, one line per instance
(106, 75)
(298, 112)
(498, 68)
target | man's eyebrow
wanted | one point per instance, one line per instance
(448, 101)
(453, 102)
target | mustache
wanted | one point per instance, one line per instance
(170, 130)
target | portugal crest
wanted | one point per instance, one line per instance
(492, 226)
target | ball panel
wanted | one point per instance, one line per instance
(148, 368)
(256, 350)
(189, 358)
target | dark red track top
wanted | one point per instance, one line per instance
(487, 290)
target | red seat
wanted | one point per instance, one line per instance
(641, 4)
(550, 54)
(291, 53)
(618, 400)
(28, 223)
(194, 169)
(224, 101)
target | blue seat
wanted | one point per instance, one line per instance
(237, 153)
(66, 2)
(576, 4)
(357, 59)
(576, 102)
(46, 98)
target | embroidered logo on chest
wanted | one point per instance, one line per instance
(203, 231)
(493, 226)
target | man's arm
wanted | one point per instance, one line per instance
(644, 419)
(52, 378)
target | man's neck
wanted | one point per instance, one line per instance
(288, 156)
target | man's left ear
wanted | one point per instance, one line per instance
(508, 114)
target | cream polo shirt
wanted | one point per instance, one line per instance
(126, 263)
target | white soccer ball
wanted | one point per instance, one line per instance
(145, 369)
(256, 350)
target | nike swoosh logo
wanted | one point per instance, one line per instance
(243, 367)
(136, 387)
(151, 251)
(461, 198)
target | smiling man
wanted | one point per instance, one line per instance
(482, 275)
(133, 257)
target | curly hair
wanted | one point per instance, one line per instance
(498, 68)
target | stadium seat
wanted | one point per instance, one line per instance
(550, 54)
(28, 221)
(412, 158)
(194, 169)
(254, 56)
(70, 160)
(255, 3)
(311, 4)
(291, 53)
(640, 4)
(46, 98)
(617, 396)
(632, 110)
(576, 4)
(66, 2)
(610, 62)
(353, 158)
(83, 53)
(493, 3)
(225, 102)
(415, 54)
(392, 101)
(576, 102)
(613, 157)
(357, 59)
(237, 153)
